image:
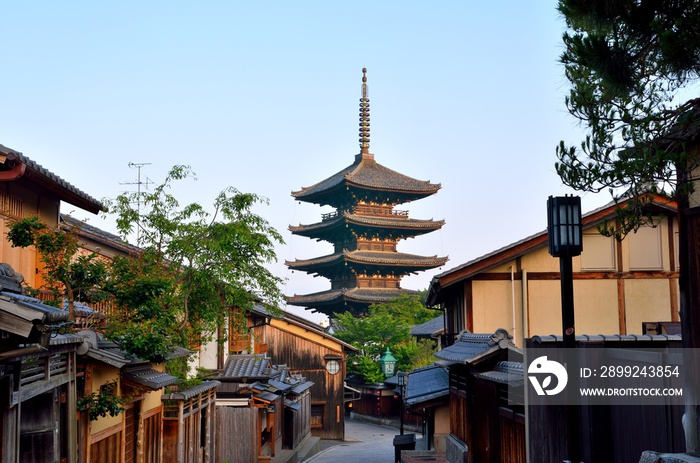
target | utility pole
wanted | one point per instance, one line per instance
(138, 184)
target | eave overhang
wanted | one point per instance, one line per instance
(325, 300)
(395, 226)
(366, 175)
(493, 259)
(401, 262)
(22, 167)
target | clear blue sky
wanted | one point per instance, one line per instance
(263, 96)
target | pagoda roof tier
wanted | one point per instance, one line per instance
(394, 226)
(339, 300)
(366, 180)
(397, 263)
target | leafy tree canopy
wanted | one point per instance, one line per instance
(387, 325)
(68, 274)
(630, 64)
(195, 265)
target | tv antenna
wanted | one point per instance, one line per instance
(138, 184)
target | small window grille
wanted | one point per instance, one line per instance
(10, 206)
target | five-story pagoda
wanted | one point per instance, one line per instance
(365, 267)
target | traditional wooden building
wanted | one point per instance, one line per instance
(27, 190)
(486, 423)
(307, 350)
(617, 431)
(173, 425)
(38, 378)
(366, 266)
(136, 434)
(618, 285)
(427, 394)
(267, 408)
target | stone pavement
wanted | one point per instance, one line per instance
(364, 443)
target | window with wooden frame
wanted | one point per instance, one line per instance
(11, 206)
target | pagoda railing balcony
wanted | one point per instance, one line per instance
(368, 210)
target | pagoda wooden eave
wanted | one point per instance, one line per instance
(389, 226)
(366, 177)
(330, 301)
(372, 262)
(368, 258)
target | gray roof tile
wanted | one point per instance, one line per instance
(431, 328)
(471, 347)
(426, 384)
(246, 366)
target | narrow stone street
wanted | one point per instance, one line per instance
(364, 443)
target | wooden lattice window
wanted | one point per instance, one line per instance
(10, 206)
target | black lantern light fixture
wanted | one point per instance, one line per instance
(565, 234)
(564, 226)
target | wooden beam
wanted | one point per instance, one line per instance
(469, 305)
(621, 308)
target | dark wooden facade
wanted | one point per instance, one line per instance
(481, 417)
(238, 428)
(296, 424)
(38, 393)
(189, 434)
(377, 403)
(607, 433)
(309, 358)
(307, 350)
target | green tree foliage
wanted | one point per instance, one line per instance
(629, 64)
(387, 325)
(195, 265)
(633, 68)
(67, 274)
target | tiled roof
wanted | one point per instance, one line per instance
(426, 384)
(278, 382)
(374, 182)
(64, 190)
(430, 328)
(144, 375)
(96, 234)
(471, 347)
(66, 339)
(31, 309)
(610, 338)
(111, 354)
(246, 366)
(505, 373)
(179, 352)
(383, 258)
(396, 224)
(366, 173)
(370, 295)
(192, 392)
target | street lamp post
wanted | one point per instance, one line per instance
(565, 235)
(402, 391)
(565, 241)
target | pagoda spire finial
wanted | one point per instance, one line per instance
(364, 115)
